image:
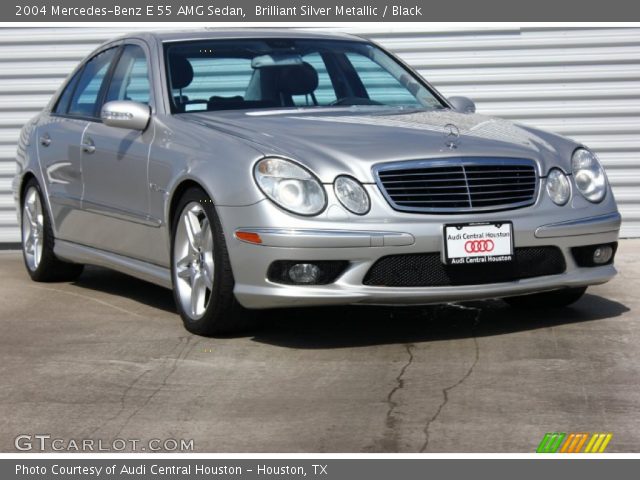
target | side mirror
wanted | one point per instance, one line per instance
(462, 104)
(126, 114)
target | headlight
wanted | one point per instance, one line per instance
(588, 175)
(558, 187)
(351, 194)
(290, 186)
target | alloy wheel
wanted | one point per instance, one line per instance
(193, 262)
(32, 228)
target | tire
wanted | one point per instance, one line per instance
(201, 271)
(38, 240)
(552, 299)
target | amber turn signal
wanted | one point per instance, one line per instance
(249, 237)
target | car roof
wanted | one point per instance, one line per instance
(237, 33)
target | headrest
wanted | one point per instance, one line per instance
(181, 71)
(298, 79)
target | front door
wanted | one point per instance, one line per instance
(115, 165)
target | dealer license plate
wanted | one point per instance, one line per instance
(478, 243)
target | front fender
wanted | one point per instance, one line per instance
(183, 152)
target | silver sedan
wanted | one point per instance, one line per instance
(251, 169)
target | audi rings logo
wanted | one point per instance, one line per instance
(479, 246)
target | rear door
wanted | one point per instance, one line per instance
(59, 138)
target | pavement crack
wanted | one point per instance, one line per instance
(184, 352)
(467, 374)
(123, 398)
(390, 419)
(184, 341)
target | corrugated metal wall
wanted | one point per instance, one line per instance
(583, 83)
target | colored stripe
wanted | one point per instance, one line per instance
(576, 442)
(558, 442)
(591, 442)
(606, 441)
(542, 448)
(581, 443)
(569, 442)
(596, 445)
(552, 441)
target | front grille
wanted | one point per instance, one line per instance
(427, 269)
(458, 185)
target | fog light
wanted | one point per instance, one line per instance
(602, 254)
(594, 255)
(304, 273)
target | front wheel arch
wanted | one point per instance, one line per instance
(177, 193)
(222, 314)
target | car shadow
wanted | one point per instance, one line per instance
(108, 281)
(353, 326)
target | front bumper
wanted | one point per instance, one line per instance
(337, 235)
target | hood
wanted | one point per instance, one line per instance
(334, 141)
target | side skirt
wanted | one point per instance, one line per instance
(74, 252)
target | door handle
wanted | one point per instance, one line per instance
(88, 146)
(45, 140)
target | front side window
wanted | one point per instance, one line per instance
(87, 92)
(275, 73)
(130, 80)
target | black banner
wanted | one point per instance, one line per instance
(315, 469)
(317, 11)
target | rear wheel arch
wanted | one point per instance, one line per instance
(23, 184)
(41, 264)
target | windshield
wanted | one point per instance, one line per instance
(275, 73)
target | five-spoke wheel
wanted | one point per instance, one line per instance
(38, 240)
(193, 260)
(202, 277)
(32, 228)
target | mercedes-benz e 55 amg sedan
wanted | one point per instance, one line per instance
(250, 169)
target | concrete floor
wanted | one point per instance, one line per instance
(106, 357)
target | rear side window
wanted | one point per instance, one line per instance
(130, 80)
(65, 97)
(86, 95)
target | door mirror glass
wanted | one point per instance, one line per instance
(126, 114)
(462, 104)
